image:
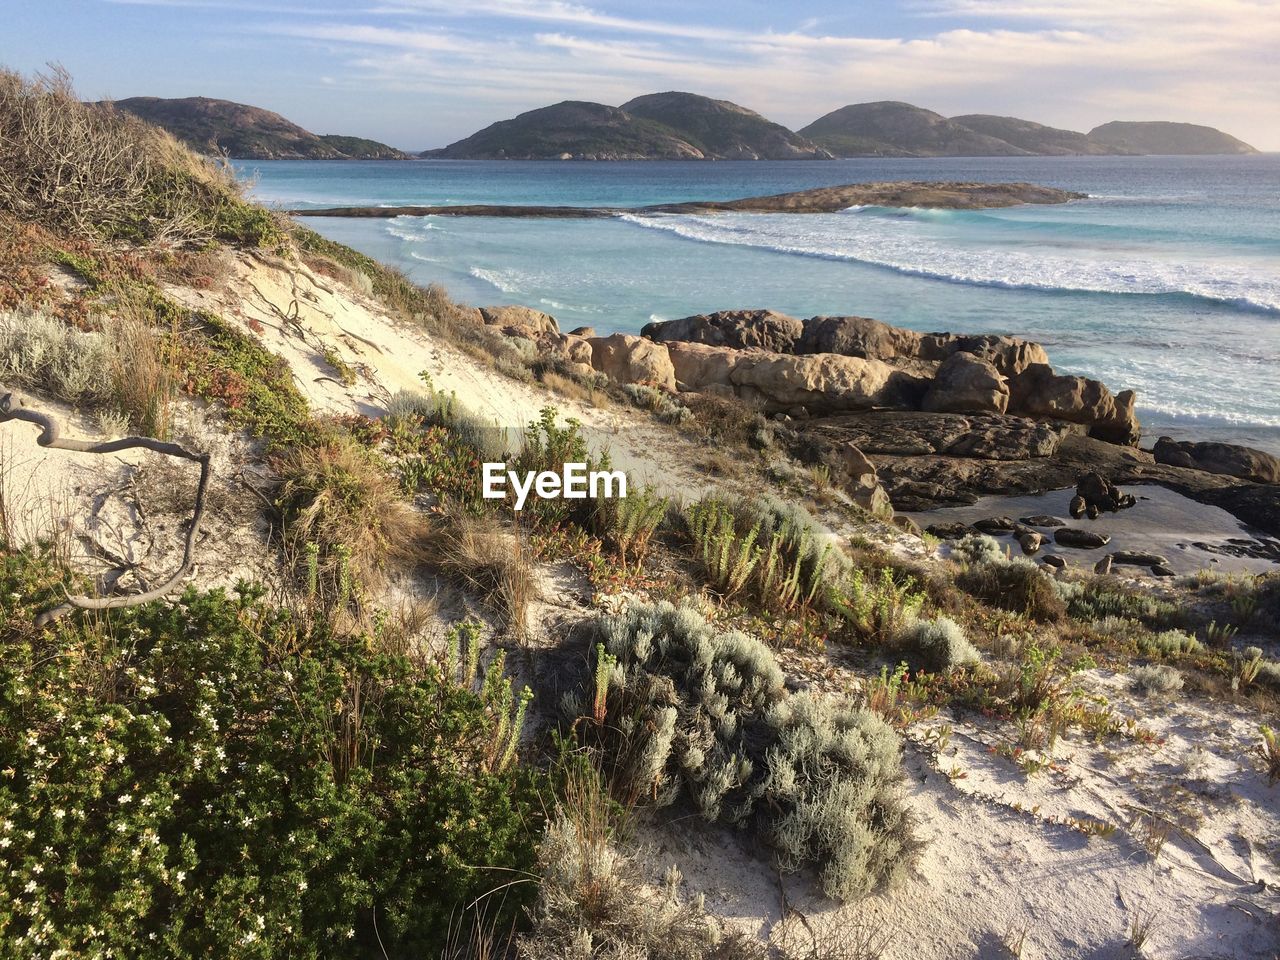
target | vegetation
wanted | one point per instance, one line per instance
(685, 711)
(92, 172)
(208, 777)
(344, 521)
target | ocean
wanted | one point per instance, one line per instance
(1167, 280)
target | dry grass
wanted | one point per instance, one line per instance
(482, 554)
(345, 523)
(93, 172)
(144, 370)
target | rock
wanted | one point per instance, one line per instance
(995, 525)
(575, 348)
(821, 382)
(1039, 392)
(1227, 459)
(1030, 542)
(516, 316)
(859, 337)
(1133, 558)
(737, 329)
(1162, 570)
(1103, 566)
(862, 484)
(1077, 507)
(909, 433)
(1042, 520)
(701, 368)
(967, 384)
(949, 531)
(1080, 539)
(1100, 494)
(629, 359)
(583, 332)
(907, 525)
(1054, 561)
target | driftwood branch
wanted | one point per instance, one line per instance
(14, 406)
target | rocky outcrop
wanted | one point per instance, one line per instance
(629, 359)
(967, 384)
(785, 382)
(818, 382)
(738, 329)
(516, 316)
(1223, 458)
(1040, 392)
(862, 483)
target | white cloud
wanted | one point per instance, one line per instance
(1076, 63)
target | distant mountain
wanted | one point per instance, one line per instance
(894, 129)
(723, 130)
(250, 133)
(1163, 137)
(572, 129)
(660, 126)
(1036, 137)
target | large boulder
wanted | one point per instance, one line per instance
(1222, 458)
(1009, 355)
(515, 316)
(862, 484)
(819, 382)
(629, 359)
(740, 329)
(1040, 392)
(858, 337)
(966, 383)
(699, 367)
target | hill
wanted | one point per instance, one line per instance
(894, 129)
(1036, 137)
(723, 130)
(1163, 137)
(244, 132)
(572, 129)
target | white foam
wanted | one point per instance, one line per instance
(908, 246)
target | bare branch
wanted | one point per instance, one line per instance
(14, 406)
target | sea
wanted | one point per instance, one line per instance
(1166, 280)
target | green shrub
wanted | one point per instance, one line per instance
(1016, 584)
(941, 644)
(1168, 643)
(254, 385)
(627, 524)
(977, 548)
(777, 551)
(202, 778)
(695, 713)
(1096, 600)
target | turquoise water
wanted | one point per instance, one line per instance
(1166, 280)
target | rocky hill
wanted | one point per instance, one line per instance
(660, 126)
(241, 131)
(572, 129)
(893, 129)
(1163, 137)
(722, 129)
(889, 128)
(1036, 137)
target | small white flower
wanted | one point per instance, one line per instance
(59, 814)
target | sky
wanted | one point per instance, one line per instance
(422, 73)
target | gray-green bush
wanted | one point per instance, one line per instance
(941, 644)
(1156, 678)
(40, 352)
(691, 712)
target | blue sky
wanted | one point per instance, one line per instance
(420, 73)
